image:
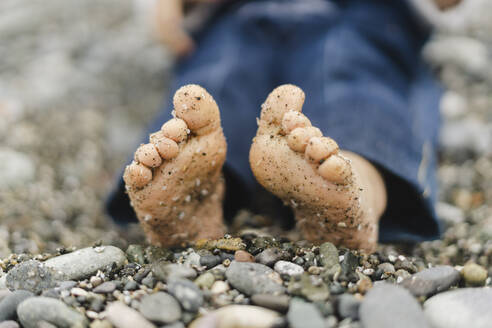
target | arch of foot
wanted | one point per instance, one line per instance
(195, 111)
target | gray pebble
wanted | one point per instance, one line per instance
(53, 311)
(278, 303)
(288, 268)
(9, 324)
(348, 306)
(8, 305)
(105, 288)
(164, 271)
(388, 306)
(304, 315)
(87, 261)
(149, 281)
(122, 316)
(64, 285)
(160, 308)
(209, 260)
(328, 255)
(386, 267)
(348, 266)
(270, 256)
(187, 293)
(431, 281)
(254, 278)
(131, 285)
(135, 253)
(173, 325)
(33, 276)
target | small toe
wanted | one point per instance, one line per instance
(197, 108)
(320, 148)
(336, 169)
(175, 129)
(292, 120)
(282, 99)
(137, 175)
(167, 148)
(148, 155)
(299, 137)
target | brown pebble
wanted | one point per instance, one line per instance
(243, 256)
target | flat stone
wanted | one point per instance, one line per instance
(278, 303)
(160, 308)
(304, 315)
(243, 256)
(105, 288)
(238, 316)
(85, 262)
(33, 276)
(187, 293)
(387, 306)
(431, 281)
(271, 255)
(164, 271)
(254, 278)
(348, 306)
(288, 268)
(51, 310)
(8, 306)
(122, 316)
(465, 307)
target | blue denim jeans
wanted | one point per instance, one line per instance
(366, 86)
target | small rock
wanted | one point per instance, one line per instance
(9, 324)
(105, 288)
(219, 287)
(187, 293)
(328, 255)
(230, 244)
(101, 324)
(8, 305)
(278, 303)
(288, 268)
(131, 285)
(270, 256)
(311, 287)
(254, 278)
(405, 265)
(304, 315)
(33, 276)
(192, 259)
(149, 281)
(465, 307)
(209, 261)
(95, 281)
(348, 266)
(387, 305)
(174, 325)
(205, 281)
(474, 275)
(348, 306)
(160, 308)
(243, 256)
(401, 275)
(164, 271)
(53, 311)
(155, 253)
(386, 267)
(85, 262)
(135, 253)
(238, 316)
(431, 281)
(122, 316)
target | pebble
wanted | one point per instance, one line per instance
(164, 271)
(466, 307)
(348, 266)
(53, 311)
(386, 267)
(348, 306)
(311, 287)
(205, 281)
(9, 324)
(8, 305)
(328, 255)
(243, 256)
(33, 276)
(279, 303)
(219, 287)
(270, 256)
(85, 262)
(387, 306)
(288, 268)
(160, 308)
(105, 288)
(238, 316)
(254, 278)
(192, 259)
(230, 244)
(101, 324)
(431, 281)
(155, 253)
(474, 274)
(122, 316)
(131, 285)
(304, 315)
(187, 293)
(209, 261)
(135, 253)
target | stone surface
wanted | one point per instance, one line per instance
(243, 256)
(328, 254)
(105, 288)
(160, 308)
(387, 306)
(9, 324)
(348, 265)
(122, 316)
(348, 306)
(467, 307)
(254, 278)
(164, 271)
(85, 262)
(431, 281)
(187, 293)
(278, 303)
(205, 281)
(288, 268)
(270, 256)
(309, 286)
(33, 276)
(238, 316)
(8, 306)
(474, 274)
(304, 315)
(53, 311)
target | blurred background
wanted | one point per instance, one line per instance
(80, 80)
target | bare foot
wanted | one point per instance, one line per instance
(336, 196)
(175, 183)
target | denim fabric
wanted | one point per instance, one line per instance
(366, 86)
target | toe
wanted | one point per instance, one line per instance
(167, 148)
(320, 148)
(281, 100)
(175, 129)
(292, 120)
(336, 169)
(299, 137)
(148, 155)
(137, 175)
(197, 108)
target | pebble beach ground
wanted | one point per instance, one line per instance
(79, 81)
